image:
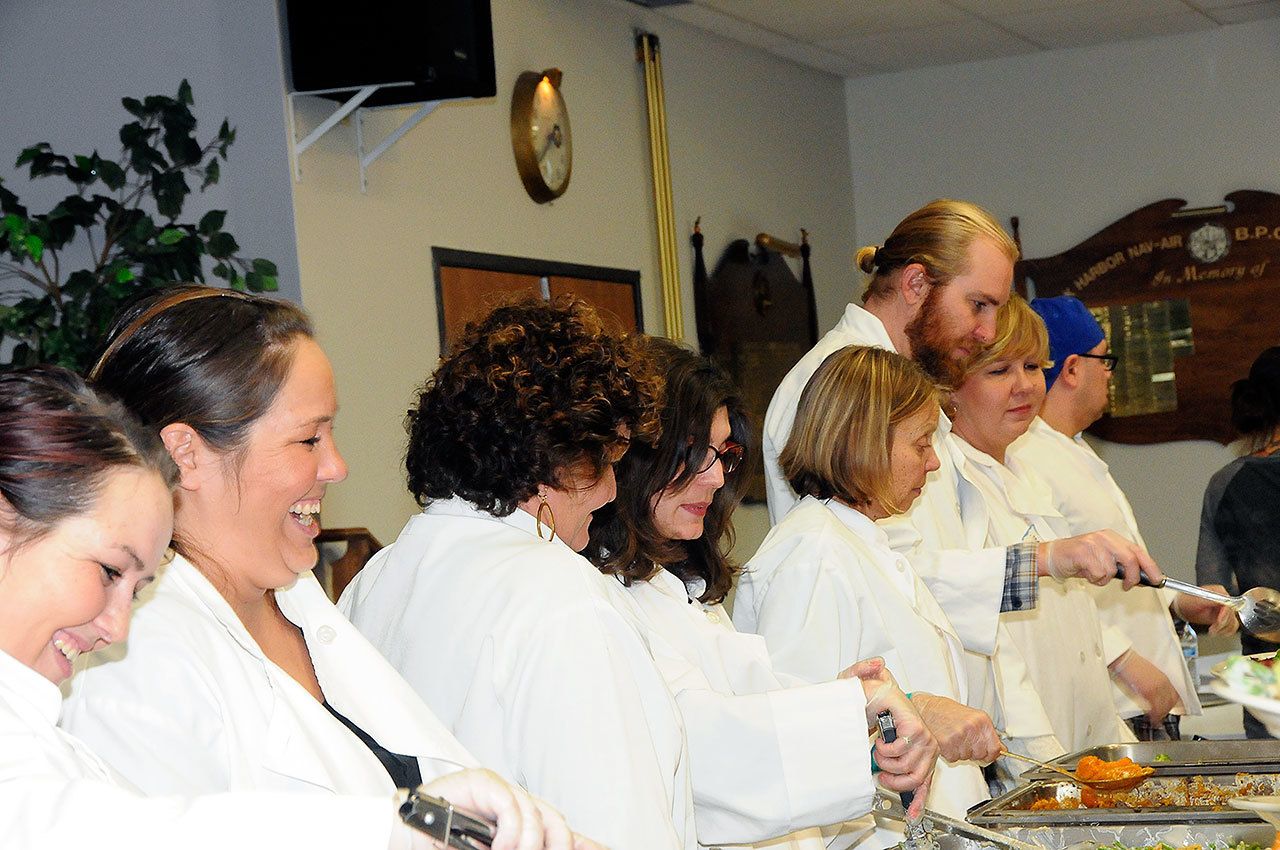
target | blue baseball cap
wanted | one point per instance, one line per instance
(1072, 330)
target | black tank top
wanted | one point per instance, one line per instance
(404, 770)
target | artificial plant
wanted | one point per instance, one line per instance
(123, 214)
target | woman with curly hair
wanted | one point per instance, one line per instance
(794, 749)
(483, 603)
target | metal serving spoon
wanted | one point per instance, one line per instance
(1123, 783)
(1258, 608)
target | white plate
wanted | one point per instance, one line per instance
(1265, 709)
(1221, 667)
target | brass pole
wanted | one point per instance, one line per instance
(648, 52)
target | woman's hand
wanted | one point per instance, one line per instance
(1094, 558)
(907, 763)
(523, 821)
(963, 733)
(1152, 687)
(1220, 619)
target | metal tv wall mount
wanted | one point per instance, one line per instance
(353, 104)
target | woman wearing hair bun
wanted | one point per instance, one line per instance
(1240, 521)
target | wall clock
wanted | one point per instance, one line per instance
(540, 135)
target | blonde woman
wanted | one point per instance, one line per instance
(825, 589)
(1051, 663)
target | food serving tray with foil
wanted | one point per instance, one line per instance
(1179, 758)
(1092, 836)
(1198, 799)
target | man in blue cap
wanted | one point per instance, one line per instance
(1089, 498)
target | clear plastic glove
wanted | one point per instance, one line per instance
(963, 733)
(523, 821)
(1220, 619)
(1094, 558)
(1151, 688)
(907, 763)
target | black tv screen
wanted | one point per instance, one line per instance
(443, 47)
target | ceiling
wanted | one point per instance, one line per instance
(853, 38)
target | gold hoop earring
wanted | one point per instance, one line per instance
(551, 526)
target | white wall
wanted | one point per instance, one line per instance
(65, 65)
(756, 144)
(1069, 141)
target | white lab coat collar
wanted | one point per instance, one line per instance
(518, 519)
(1027, 495)
(30, 695)
(860, 323)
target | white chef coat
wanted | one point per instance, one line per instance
(783, 746)
(825, 590)
(517, 645)
(55, 793)
(967, 582)
(1058, 646)
(190, 704)
(1089, 499)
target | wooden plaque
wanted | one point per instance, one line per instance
(1188, 297)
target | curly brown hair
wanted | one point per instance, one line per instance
(535, 393)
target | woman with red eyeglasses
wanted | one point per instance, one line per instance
(800, 753)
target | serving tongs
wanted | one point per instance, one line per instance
(438, 819)
(1120, 783)
(940, 827)
(1258, 607)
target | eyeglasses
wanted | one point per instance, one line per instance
(1109, 361)
(730, 458)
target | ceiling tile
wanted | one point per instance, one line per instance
(825, 60)
(942, 44)
(1105, 20)
(728, 26)
(811, 20)
(1238, 14)
(994, 9)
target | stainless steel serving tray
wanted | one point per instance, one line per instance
(1184, 757)
(1091, 836)
(1014, 808)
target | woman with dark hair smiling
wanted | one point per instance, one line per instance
(240, 674)
(797, 752)
(85, 516)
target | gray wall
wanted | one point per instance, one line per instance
(65, 65)
(1069, 141)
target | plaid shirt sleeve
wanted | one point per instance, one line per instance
(1021, 584)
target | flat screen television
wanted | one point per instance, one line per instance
(444, 48)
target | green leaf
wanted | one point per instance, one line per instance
(111, 173)
(124, 275)
(270, 283)
(222, 245)
(171, 236)
(184, 93)
(211, 222)
(29, 154)
(253, 280)
(222, 270)
(35, 247)
(134, 106)
(211, 174)
(237, 282)
(265, 267)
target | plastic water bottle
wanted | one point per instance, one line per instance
(1191, 653)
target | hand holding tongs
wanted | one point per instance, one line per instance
(1258, 608)
(438, 819)
(915, 825)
